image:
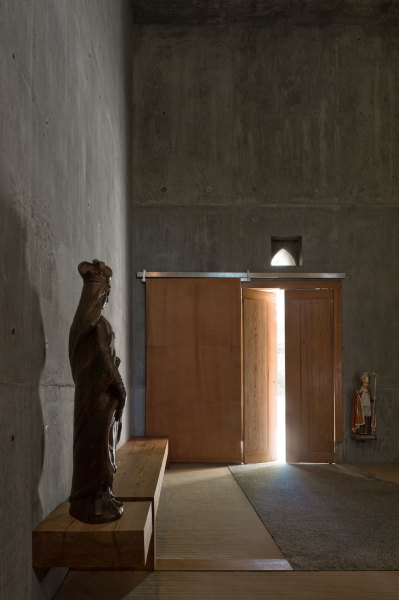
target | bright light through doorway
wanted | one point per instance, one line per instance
(280, 456)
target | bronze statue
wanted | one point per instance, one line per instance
(99, 401)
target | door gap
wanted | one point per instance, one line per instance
(281, 436)
(280, 426)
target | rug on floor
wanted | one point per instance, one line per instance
(325, 517)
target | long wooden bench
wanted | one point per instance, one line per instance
(129, 543)
(141, 466)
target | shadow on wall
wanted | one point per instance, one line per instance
(22, 351)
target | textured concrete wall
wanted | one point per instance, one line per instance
(244, 133)
(266, 12)
(64, 154)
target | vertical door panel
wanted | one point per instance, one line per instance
(259, 375)
(193, 369)
(309, 331)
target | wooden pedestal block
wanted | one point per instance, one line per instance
(62, 541)
(141, 466)
(126, 544)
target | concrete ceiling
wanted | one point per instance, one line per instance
(301, 12)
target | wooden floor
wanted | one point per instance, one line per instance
(205, 522)
(202, 581)
(385, 472)
(279, 585)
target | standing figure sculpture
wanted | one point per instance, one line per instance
(99, 401)
(363, 411)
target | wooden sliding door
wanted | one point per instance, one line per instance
(259, 375)
(310, 369)
(193, 369)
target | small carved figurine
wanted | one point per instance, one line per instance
(363, 412)
(99, 401)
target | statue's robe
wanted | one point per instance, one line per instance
(363, 427)
(95, 373)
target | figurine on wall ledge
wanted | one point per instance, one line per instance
(99, 401)
(364, 410)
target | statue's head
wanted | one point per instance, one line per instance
(365, 378)
(97, 274)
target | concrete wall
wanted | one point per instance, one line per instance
(64, 184)
(242, 133)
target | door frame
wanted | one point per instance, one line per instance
(335, 285)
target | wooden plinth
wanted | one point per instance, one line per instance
(129, 543)
(62, 541)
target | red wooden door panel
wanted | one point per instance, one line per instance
(193, 369)
(259, 375)
(309, 327)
